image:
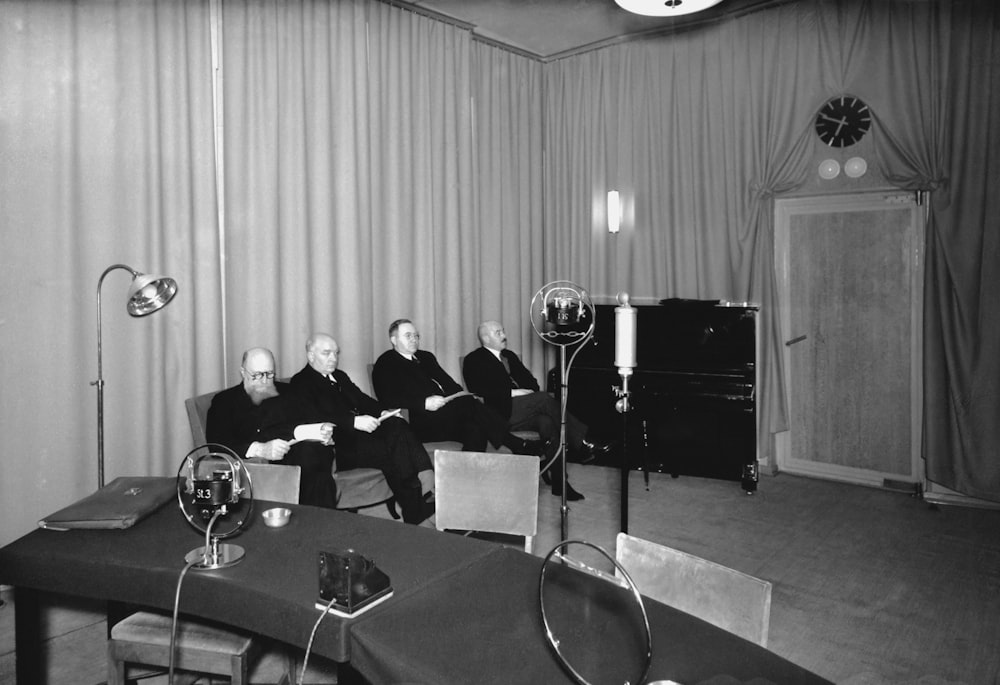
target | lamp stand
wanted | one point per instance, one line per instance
(146, 295)
(100, 377)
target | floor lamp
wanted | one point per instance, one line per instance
(146, 295)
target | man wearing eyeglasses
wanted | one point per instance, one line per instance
(264, 419)
(406, 376)
(367, 434)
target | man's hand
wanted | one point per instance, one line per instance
(320, 432)
(326, 433)
(519, 392)
(365, 423)
(434, 402)
(273, 450)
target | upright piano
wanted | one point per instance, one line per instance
(693, 393)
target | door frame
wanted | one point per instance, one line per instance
(784, 209)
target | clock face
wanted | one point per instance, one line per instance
(843, 121)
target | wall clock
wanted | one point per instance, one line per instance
(843, 121)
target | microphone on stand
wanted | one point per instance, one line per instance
(625, 327)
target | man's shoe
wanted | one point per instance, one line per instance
(547, 476)
(538, 448)
(595, 448)
(589, 451)
(571, 494)
(427, 510)
(416, 509)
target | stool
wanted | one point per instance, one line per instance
(144, 638)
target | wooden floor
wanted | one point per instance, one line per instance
(871, 587)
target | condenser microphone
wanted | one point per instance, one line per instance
(625, 325)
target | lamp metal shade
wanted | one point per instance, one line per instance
(666, 8)
(149, 293)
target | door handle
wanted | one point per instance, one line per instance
(789, 343)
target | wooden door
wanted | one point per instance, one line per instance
(850, 287)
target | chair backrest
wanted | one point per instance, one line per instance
(722, 596)
(197, 409)
(487, 491)
(274, 482)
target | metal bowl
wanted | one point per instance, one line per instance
(277, 517)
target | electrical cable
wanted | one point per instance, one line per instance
(177, 595)
(305, 659)
(564, 390)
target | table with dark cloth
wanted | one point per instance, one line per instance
(272, 591)
(463, 610)
(484, 625)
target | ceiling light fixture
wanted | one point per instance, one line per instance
(666, 8)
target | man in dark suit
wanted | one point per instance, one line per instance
(439, 408)
(261, 418)
(367, 435)
(497, 375)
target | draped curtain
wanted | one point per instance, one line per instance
(352, 198)
(698, 133)
(701, 129)
(106, 157)
(508, 263)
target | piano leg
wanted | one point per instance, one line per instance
(645, 453)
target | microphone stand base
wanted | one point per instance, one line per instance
(218, 556)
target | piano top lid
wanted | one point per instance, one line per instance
(683, 302)
(700, 336)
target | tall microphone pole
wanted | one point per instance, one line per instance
(562, 314)
(625, 327)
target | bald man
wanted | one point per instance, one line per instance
(363, 440)
(497, 375)
(260, 418)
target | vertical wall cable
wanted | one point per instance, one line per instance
(215, 19)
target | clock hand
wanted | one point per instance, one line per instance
(841, 123)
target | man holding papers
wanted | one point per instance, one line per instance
(440, 409)
(264, 419)
(366, 434)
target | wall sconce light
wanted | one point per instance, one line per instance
(614, 211)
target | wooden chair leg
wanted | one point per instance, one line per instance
(239, 669)
(116, 667)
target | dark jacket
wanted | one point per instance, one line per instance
(401, 382)
(235, 422)
(485, 376)
(339, 402)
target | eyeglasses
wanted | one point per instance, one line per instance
(411, 336)
(259, 375)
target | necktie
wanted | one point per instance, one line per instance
(506, 366)
(339, 389)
